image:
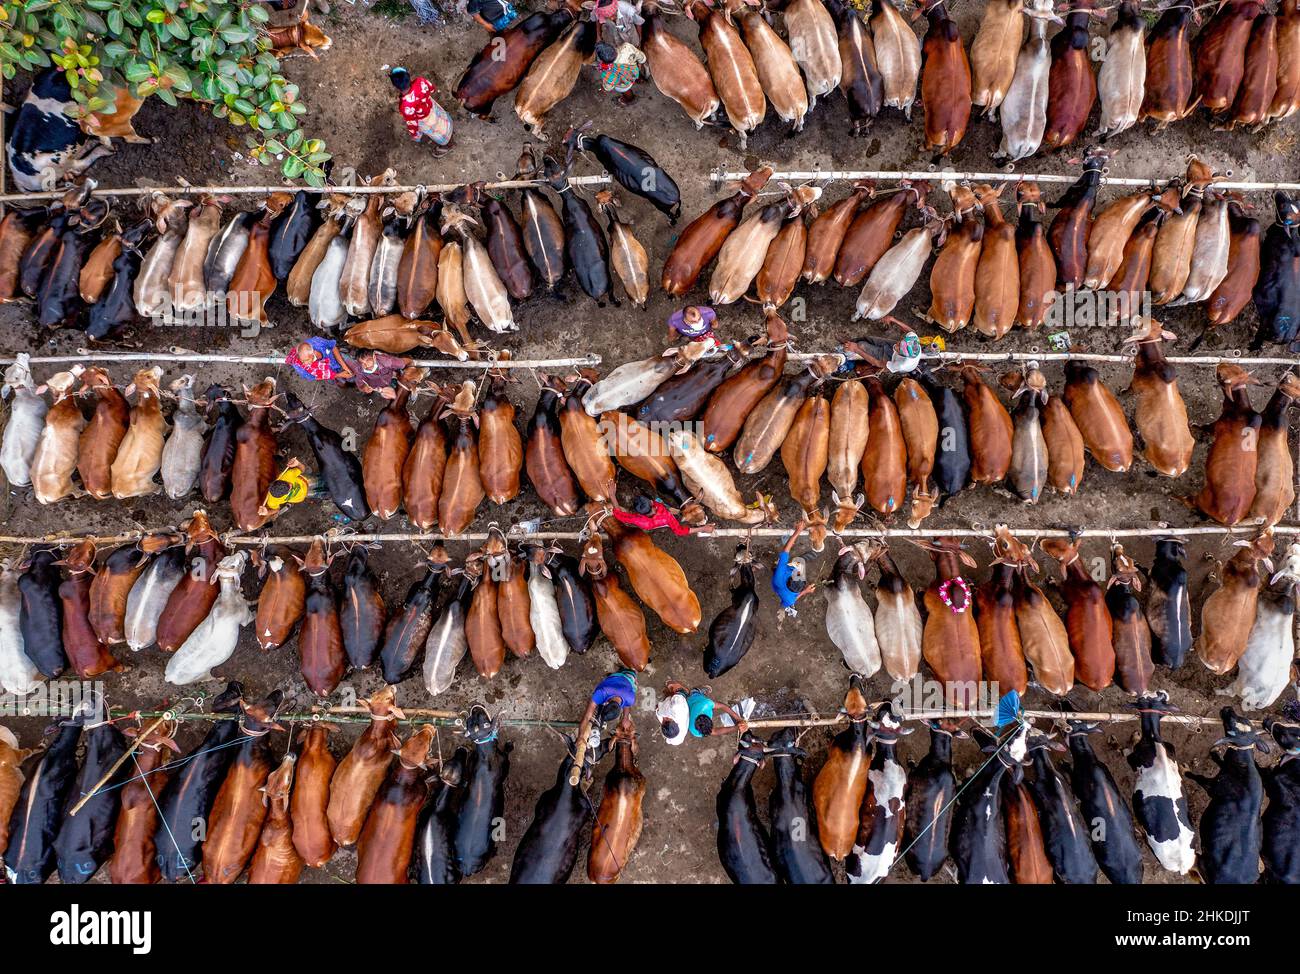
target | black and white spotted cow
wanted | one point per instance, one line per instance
(1282, 819)
(1231, 832)
(1158, 799)
(46, 147)
(880, 828)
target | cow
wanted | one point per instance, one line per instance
(46, 147)
(290, 30)
(1231, 833)
(880, 829)
(1282, 817)
(117, 124)
(1158, 799)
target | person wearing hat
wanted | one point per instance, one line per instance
(424, 117)
(898, 357)
(790, 570)
(686, 713)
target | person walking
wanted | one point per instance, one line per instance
(424, 117)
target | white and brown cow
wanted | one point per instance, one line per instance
(880, 828)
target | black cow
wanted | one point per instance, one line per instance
(1231, 834)
(47, 147)
(1282, 819)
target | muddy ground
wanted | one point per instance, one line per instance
(792, 664)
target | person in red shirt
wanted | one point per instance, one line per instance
(424, 117)
(647, 516)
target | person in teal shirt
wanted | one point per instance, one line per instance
(689, 712)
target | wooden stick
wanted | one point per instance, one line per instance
(1119, 359)
(234, 538)
(601, 180)
(86, 355)
(108, 775)
(840, 175)
(1091, 716)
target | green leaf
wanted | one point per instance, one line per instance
(244, 106)
(315, 177)
(136, 71)
(316, 158)
(178, 29)
(115, 50)
(156, 16)
(132, 15)
(93, 21)
(9, 52)
(180, 78)
(235, 35)
(167, 96)
(274, 145)
(292, 168)
(258, 14)
(116, 25)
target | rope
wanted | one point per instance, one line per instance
(902, 853)
(162, 818)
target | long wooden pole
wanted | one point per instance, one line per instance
(233, 538)
(843, 175)
(600, 180)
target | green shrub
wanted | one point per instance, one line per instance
(215, 52)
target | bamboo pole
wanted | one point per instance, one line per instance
(601, 180)
(126, 755)
(1117, 358)
(343, 715)
(231, 539)
(1090, 716)
(840, 175)
(86, 355)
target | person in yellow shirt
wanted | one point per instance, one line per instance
(293, 486)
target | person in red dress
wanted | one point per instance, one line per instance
(424, 117)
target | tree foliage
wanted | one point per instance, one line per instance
(215, 52)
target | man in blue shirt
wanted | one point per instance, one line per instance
(790, 570)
